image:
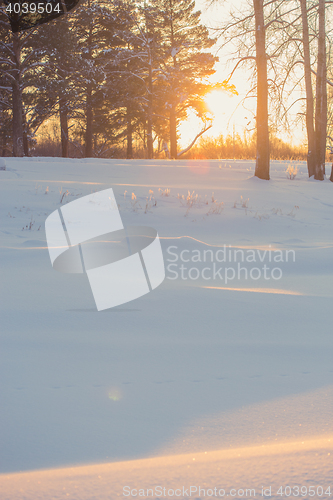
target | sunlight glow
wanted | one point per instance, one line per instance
(256, 290)
(229, 117)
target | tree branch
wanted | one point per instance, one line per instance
(193, 142)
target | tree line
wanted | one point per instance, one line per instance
(112, 71)
(108, 71)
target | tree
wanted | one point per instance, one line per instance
(321, 97)
(56, 84)
(101, 29)
(252, 49)
(298, 51)
(5, 119)
(21, 61)
(291, 30)
(169, 38)
(11, 74)
(160, 71)
(262, 157)
(19, 57)
(131, 71)
(311, 159)
(185, 63)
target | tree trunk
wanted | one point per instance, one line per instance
(311, 157)
(17, 100)
(89, 123)
(129, 134)
(173, 133)
(4, 143)
(25, 135)
(25, 143)
(4, 136)
(150, 110)
(321, 97)
(63, 112)
(262, 159)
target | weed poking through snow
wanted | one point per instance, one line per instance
(291, 171)
(244, 202)
(64, 195)
(164, 192)
(30, 225)
(216, 208)
(150, 201)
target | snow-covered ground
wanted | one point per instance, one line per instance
(225, 355)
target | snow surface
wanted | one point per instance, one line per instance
(195, 366)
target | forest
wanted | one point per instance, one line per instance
(116, 79)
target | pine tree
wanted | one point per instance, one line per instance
(184, 62)
(57, 93)
(100, 29)
(123, 87)
(18, 60)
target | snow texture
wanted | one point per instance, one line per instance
(196, 370)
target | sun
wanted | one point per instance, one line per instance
(229, 117)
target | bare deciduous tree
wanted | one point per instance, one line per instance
(262, 157)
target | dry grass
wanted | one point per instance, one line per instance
(243, 148)
(291, 171)
(216, 208)
(164, 192)
(243, 203)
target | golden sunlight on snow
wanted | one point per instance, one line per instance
(261, 468)
(256, 290)
(294, 418)
(294, 451)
